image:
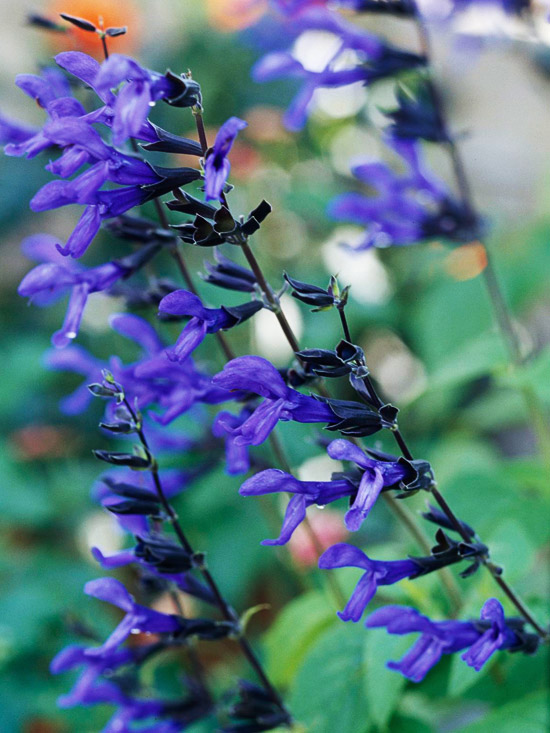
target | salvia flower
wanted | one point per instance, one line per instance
(376, 60)
(85, 687)
(237, 459)
(481, 638)
(305, 494)
(141, 87)
(362, 493)
(216, 164)
(409, 208)
(255, 374)
(137, 619)
(203, 321)
(55, 277)
(377, 573)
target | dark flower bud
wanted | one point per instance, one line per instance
(297, 376)
(113, 32)
(165, 556)
(84, 25)
(188, 91)
(227, 274)
(137, 229)
(255, 218)
(170, 143)
(255, 710)
(187, 204)
(392, 61)
(314, 295)
(448, 552)
(171, 178)
(324, 363)
(355, 418)
(134, 506)
(206, 629)
(129, 491)
(46, 24)
(453, 221)
(224, 229)
(123, 459)
(241, 313)
(389, 413)
(345, 359)
(310, 294)
(121, 427)
(416, 116)
(438, 517)
(99, 390)
(401, 8)
(135, 261)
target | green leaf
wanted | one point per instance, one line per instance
(512, 548)
(462, 677)
(295, 630)
(528, 715)
(383, 687)
(533, 374)
(329, 691)
(476, 358)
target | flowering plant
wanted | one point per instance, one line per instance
(183, 416)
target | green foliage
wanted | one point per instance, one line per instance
(294, 632)
(329, 692)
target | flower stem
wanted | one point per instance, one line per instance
(227, 612)
(538, 420)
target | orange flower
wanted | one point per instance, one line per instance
(233, 15)
(466, 262)
(115, 13)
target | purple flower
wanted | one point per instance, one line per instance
(481, 639)
(257, 375)
(14, 132)
(305, 493)
(133, 102)
(237, 459)
(377, 572)
(153, 379)
(376, 59)
(497, 636)
(377, 476)
(138, 619)
(54, 277)
(409, 208)
(203, 321)
(86, 691)
(216, 165)
(53, 280)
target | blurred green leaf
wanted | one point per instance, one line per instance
(383, 686)
(529, 715)
(328, 694)
(475, 358)
(534, 374)
(295, 630)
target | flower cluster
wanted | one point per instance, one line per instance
(103, 165)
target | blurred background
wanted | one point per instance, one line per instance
(421, 314)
